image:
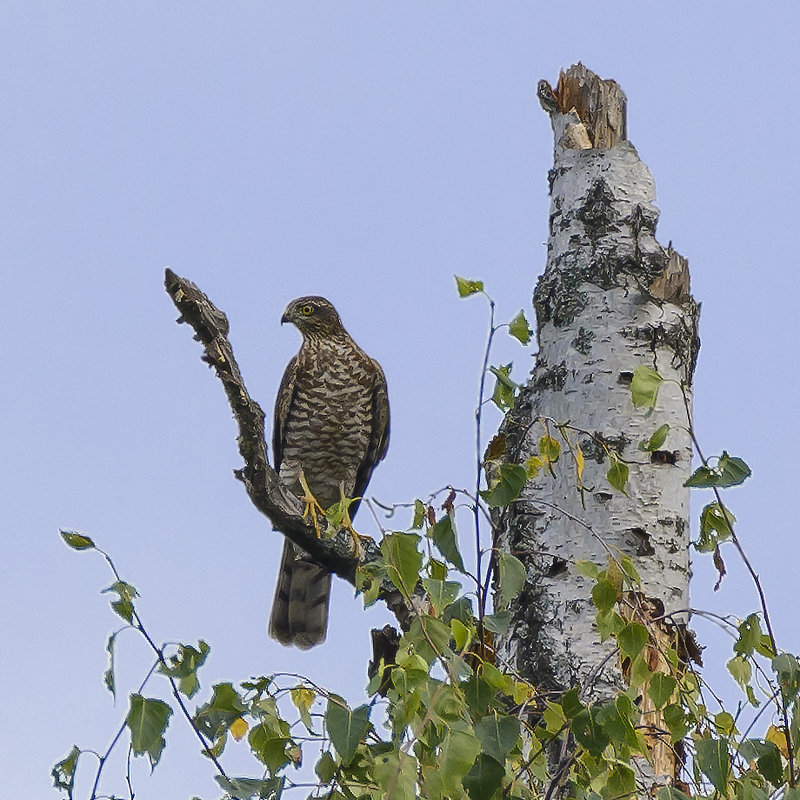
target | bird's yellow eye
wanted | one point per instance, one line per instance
(307, 310)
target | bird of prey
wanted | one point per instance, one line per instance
(331, 428)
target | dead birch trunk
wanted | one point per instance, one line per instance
(611, 298)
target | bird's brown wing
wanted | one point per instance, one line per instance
(283, 402)
(379, 436)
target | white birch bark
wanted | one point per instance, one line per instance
(611, 298)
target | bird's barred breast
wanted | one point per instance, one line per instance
(329, 426)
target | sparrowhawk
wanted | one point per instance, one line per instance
(331, 428)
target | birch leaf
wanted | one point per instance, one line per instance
(512, 574)
(714, 762)
(519, 328)
(147, 721)
(77, 541)
(644, 386)
(403, 560)
(346, 728)
(617, 475)
(467, 287)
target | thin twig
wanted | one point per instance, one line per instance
(783, 706)
(113, 744)
(479, 459)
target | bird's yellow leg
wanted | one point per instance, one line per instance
(347, 523)
(312, 507)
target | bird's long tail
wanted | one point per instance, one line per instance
(300, 608)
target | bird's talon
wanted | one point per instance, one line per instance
(312, 507)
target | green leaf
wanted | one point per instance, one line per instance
(632, 639)
(741, 670)
(640, 672)
(419, 514)
(436, 569)
(467, 287)
(444, 537)
(676, 722)
(661, 689)
(183, 666)
(618, 718)
(549, 449)
(716, 524)
(251, 788)
(728, 471)
(571, 703)
(147, 721)
(369, 577)
(123, 606)
(519, 328)
(497, 622)
(461, 634)
(788, 671)
(506, 485)
(456, 756)
(588, 569)
(496, 679)
(621, 781)
(108, 675)
(714, 762)
(269, 749)
(656, 441)
(460, 610)
(644, 386)
(337, 514)
(671, 793)
(345, 727)
(617, 475)
(77, 541)
(604, 595)
(504, 389)
(589, 733)
(609, 623)
(478, 694)
(725, 723)
(326, 767)
(63, 772)
(440, 593)
(749, 635)
(629, 570)
(512, 576)
(396, 775)
(498, 735)
(429, 637)
(770, 765)
(216, 716)
(484, 778)
(554, 718)
(403, 559)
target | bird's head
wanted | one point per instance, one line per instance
(313, 316)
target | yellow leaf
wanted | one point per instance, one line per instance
(579, 462)
(778, 737)
(303, 699)
(532, 466)
(238, 729)
(523, 691)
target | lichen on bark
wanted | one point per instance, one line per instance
(611, 298)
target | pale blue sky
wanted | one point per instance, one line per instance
(364, 151)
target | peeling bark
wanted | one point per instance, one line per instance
(611, 298)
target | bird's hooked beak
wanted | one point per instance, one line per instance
(285, 317)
